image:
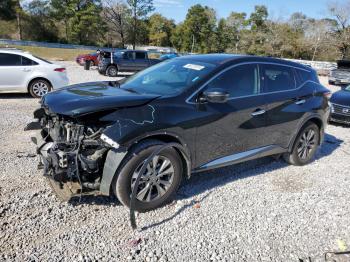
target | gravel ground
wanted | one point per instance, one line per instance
(262, 210)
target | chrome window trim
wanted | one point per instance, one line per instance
(249, 63)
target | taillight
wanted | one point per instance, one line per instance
(62, 69)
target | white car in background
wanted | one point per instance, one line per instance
(21, 72)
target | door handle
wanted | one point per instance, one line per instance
(26, 70)
(300, 101)
(258, 112)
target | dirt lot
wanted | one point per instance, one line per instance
(262, 210)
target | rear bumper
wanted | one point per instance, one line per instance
(80, 61)
(59, 81)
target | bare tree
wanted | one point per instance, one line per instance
(340, 11)
(116, 15)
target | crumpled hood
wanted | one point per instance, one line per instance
(80, 99)
(341, 97)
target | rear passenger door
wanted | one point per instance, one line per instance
(285, 99)
(127, 63)
(141, 61)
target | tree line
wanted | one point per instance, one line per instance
(120, 22)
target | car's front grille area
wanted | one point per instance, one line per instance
(341, 110)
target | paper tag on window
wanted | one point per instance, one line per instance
(194, 67)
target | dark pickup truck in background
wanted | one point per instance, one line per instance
(341, 75)
(125, 61)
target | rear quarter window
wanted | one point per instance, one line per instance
(28, 62)
(305, 76)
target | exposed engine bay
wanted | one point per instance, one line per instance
(72, 155)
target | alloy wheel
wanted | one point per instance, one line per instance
(40, 88)
(112, 71)
(156, 180)
(307, 144)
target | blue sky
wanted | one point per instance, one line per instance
(177, 9)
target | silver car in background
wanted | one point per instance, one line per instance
(22, 72)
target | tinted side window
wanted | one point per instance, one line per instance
(28, 62)
(10, 60)
(238, 81)
(304, 76)
(140, 55)
(130, 55)
(278, 78)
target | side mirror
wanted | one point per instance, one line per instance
(215, 95)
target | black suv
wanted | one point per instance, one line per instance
(215, 110)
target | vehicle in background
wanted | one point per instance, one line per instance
(125, 61)
(90, 58)
(340, 106)
(168, 56)
(21, 72)
(341, 75)
(210, 111)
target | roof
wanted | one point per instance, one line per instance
(221, 59)
(11, 50)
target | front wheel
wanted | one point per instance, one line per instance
(112, 71)
(39, 88)
(305, 146)
(159, 182)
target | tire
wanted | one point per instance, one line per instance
(305, 146)
(38, 88)
(133, 162)
(112, 71)
(88, 64)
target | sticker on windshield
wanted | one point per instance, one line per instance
(194, 67)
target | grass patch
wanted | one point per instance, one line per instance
(55, 54)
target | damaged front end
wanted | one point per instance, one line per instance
(71, 154)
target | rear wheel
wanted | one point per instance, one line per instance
(112, 71)
(305, 146)
(159, 182)
(39, 88)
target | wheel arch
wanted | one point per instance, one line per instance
(311, 119)
(38, 78)
(167, 137)
(115, 159)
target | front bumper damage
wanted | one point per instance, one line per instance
(73, 157)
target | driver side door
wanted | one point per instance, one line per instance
(236, 126)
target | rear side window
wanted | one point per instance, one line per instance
(129, 55)
(140, 55)
(278, 78)
(305, 76)
(238, 81)
(28, 62)
(10, 60)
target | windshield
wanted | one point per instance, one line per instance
(169, 77)
(347, 88)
